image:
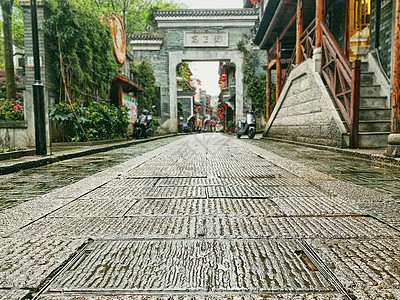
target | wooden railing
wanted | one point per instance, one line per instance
(343, 80)
(307, 41)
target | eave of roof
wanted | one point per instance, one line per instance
(145, 36)
(168, 13)
(128, 85)
(269, 13)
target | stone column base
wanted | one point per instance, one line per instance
(317, 58)
(393, 148)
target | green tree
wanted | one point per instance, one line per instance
(255, 84)
(80, 45)
(136, 14)
(180, 109)
(183, 71)
(6, 7)
(144, 76)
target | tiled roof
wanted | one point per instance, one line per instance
(145, 36)
(165, 13)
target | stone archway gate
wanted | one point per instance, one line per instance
(192, 35)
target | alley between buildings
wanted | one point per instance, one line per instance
(205, 217)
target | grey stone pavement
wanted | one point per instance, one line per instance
(205, 217)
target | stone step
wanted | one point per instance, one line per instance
(373, 139)
(370, 90)
(383, 114)
(374, 102)
(367, 78)
(364, 66)
(374, 126)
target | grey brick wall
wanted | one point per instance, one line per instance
(384, 28)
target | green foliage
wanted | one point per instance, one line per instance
(17, 31)
(11, 110)
(144, 76)
(18, 25)
(180, 109)
(137, 15)
(98, 121)
(86, 47)
(184, 71)
(255, 84)
(231, 124)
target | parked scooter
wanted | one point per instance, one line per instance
(247, 127)
(144, 125)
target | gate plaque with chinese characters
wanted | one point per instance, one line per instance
(206, 39)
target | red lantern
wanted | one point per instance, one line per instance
(254, 2)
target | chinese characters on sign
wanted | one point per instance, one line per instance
(206, 39)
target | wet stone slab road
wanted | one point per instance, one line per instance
(204, 217)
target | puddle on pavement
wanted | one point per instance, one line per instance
(28, 184)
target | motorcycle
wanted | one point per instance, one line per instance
(247, 127)
(144, 125)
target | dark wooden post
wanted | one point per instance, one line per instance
(299, 31)
(319, 16)
(268, 108)
(278, 69)
(355, 103)
(396, 74)
(346, 29)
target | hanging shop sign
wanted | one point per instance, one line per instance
(119, 38)
(131, 103)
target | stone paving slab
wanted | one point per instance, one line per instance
(205, 207)
(166, 227)
(13, 294)
(242, 191)
(26, 262)
(134, 183)
(89, 207)
(252, 266)
(370, 269)
(315, 206)
(198, 296)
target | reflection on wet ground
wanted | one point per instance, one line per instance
(381, 178)
(28, 184)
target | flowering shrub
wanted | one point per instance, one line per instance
(18, 83)
(11, 110)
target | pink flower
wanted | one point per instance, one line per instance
(15, 107)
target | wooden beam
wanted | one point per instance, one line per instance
(278, 69)
(396, 73)
(268, 107)
(346, 49)
(319, 17)
(299, 31)
(271, 64)
(287, 27)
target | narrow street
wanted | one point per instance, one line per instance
(205, 217)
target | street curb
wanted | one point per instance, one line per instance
(379, 158)
(42, 161)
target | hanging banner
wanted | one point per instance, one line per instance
(131, 103)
